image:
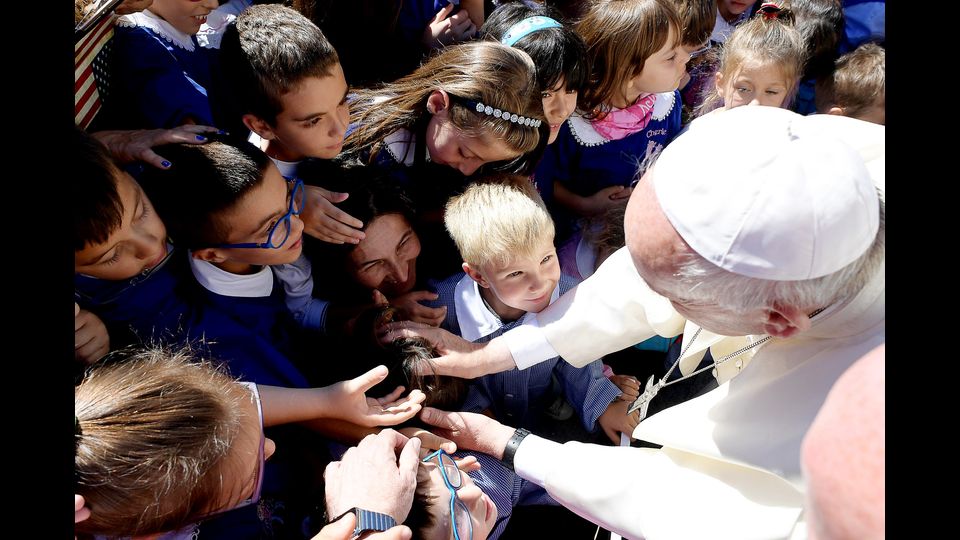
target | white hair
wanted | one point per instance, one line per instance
(697, 281)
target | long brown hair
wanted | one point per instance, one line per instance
(620, 36)
(153, 432)
(483, 71)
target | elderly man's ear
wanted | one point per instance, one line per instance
(786, 321)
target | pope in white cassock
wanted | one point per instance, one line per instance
(779, 244)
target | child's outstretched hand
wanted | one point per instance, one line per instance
(413, 310)
(324, 221)
(351, 403)
(615, 420)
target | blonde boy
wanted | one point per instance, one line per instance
(510, 268)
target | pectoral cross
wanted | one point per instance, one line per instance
(643, 400)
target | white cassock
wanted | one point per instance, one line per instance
(730, 463)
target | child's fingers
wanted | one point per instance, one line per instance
(442, 14)
(366, 381)
(392, 396)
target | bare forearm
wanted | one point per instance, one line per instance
(290, 405)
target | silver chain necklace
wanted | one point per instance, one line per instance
(651, 389)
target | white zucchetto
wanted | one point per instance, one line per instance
(770, 194)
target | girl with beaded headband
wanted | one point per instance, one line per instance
(471, 105)
(760, 64)
(628, 110)
(474, 107)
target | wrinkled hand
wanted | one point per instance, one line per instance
(371, 477)
(429, 440)
(471, 431)
(342, 529)
(615, 420)
(413, 310)
(458, 357)
(604, 200)
(324, 221)
(137, 145)
(353, 405)
(90, 338)
(444, 29)
(627, 384)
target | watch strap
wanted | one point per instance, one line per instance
(513, 444)
(368, 520)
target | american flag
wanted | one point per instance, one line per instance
(91, 54)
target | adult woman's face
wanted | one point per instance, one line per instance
(386, 259)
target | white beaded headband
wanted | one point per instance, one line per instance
(497, 113)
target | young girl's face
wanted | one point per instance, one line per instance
(449, 146)
(662, 72)
(733, 8)
(558, 104)
(754, 84)
(184, 15)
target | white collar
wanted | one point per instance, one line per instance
(586, 258)
(401, 144)
(288, 169)
(224, 283)
(159, 26)
(473, 316)
(583, 131)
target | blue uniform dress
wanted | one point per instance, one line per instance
(584, 161)
(162, 306)
(518, 397)
(160, 75)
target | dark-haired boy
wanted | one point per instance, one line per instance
(287, 87)
(130, 275)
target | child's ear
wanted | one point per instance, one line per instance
(437, 102)
(476, 276)
(720, 84)
(836, 111)
(259, 126)
(211, 255)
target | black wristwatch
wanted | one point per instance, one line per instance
(512, 444)
(368, 520)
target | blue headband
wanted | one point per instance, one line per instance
(527, 26)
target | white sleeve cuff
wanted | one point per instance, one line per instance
(527, 344)
(535, 458)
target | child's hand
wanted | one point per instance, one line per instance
(324, 221)
(90, 338)
(444, 31)
(350, 402)
(429, 440)
(129, 146)
(604, 200)
(615, 420)
(413, 310)
(630, 387)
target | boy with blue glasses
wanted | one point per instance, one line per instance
(468, 496)
(241, 225)
(131, 276)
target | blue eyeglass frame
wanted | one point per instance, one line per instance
(285, 220)
(454, 498)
